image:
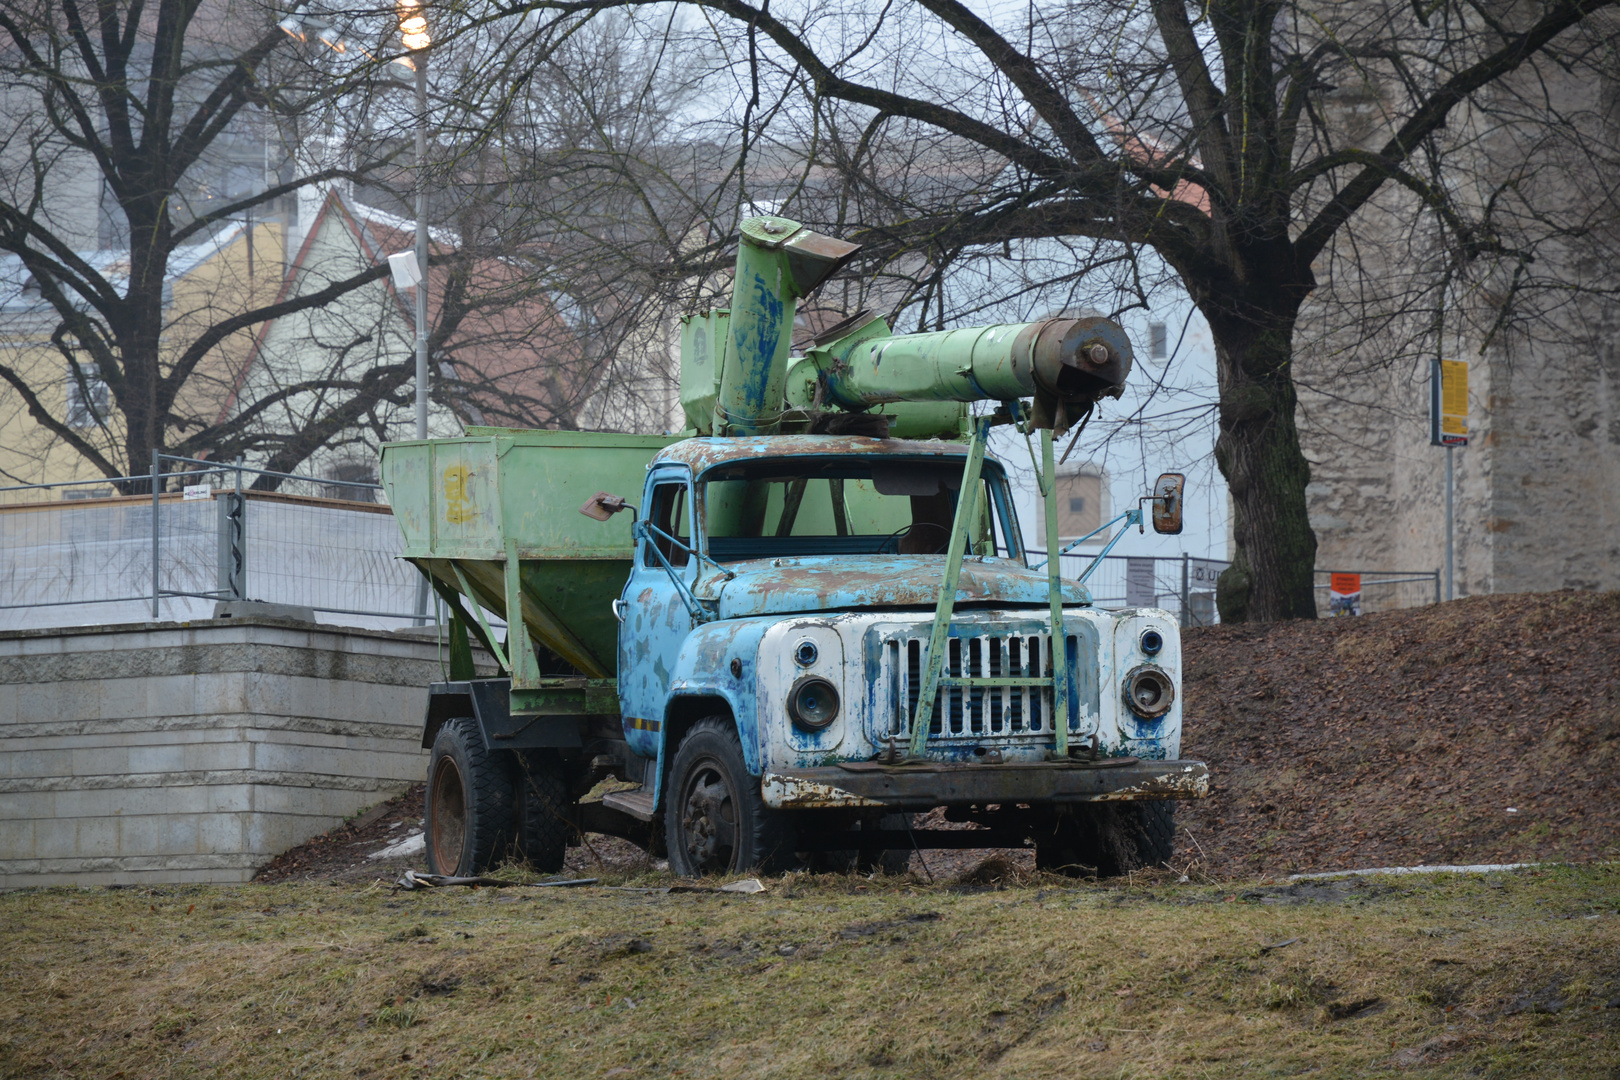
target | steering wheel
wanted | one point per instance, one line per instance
(922, 527)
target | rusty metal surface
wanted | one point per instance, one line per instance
(832, 583)
(704, 454)
(802, 793)
(1034, 782)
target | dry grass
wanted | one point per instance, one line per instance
(1505, 975)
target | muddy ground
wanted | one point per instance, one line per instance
(1483, 730)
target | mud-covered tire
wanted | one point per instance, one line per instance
(543, 824)
(1108, 839)
(891, 861)
(715, 818)
(470, 803)
(1156, 832)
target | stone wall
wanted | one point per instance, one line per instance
(1537, 490)
(168, 752)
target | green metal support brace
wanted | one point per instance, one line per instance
(1059, 647)
(967, 512)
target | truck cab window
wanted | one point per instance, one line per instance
(842, 506)
(668, 515)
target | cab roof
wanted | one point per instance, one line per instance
(705, 453)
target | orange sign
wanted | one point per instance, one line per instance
(1345, 584)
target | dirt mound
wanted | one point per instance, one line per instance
(1483, 730)
(1385, 740)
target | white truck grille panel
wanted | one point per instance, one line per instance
(976, 713)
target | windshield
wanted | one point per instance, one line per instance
(844, 505)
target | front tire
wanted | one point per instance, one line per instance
(715, 819)
(1109, 838)
(470, 803)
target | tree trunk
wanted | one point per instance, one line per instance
(1258, 452)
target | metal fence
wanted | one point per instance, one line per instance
(79, 552)
(200, 535)
(1180, 584)
(1379, 590)
(1185, 586)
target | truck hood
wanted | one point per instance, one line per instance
(840, 583)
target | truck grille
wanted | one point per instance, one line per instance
(976, 712)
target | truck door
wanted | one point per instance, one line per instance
(654, 614)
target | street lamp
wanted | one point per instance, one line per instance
(413, 34)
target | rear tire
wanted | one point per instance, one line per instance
(470, 803)
(543, 825)
(715, 818)
(1108, 838)
(891, 861)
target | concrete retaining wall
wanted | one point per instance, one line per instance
(169, 752)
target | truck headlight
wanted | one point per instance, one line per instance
(813, 703)
(1149, 691)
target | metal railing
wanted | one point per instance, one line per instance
(1181, 584)
(1185, 586)
(1381, 590)
(201, 534)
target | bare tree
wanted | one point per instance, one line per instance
(1244, 142)
(147, 101)
(563, 223)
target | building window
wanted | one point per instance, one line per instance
(1158, 341)
(1079, 501)
(87, 402)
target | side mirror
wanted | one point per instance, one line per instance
(602, 506)
(1167, 496)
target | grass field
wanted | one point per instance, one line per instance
(1511, 974)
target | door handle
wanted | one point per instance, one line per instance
(618, 613)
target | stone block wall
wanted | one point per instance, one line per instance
(170, 752)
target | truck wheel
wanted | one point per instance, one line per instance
(543, 825)
(892, 861)
(1108, 838)
(715, 820)
(1156, 832)
(470, 803)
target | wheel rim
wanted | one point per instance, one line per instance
(448, 805)
(708, 819)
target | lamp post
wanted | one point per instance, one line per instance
(413, 34)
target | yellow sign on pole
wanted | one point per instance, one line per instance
(1448, 403)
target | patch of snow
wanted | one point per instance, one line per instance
(1478, 868)
(414, 844)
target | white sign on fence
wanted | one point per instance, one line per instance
(1140, 590)
(198, 491)
(1202, 574)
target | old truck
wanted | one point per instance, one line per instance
(777, 639)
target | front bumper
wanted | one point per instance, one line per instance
(927, 784)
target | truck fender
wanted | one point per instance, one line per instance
(488, 702)
(717, 664)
